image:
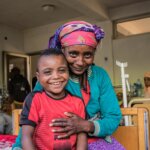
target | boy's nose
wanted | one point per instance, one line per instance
(55, 74)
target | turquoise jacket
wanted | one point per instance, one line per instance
(102, 101)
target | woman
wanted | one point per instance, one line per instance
(78, 41)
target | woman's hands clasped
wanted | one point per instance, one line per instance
(71, 125)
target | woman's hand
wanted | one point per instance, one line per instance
(71, 125)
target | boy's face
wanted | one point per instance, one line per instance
(53, 74)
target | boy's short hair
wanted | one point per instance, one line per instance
(51, 51)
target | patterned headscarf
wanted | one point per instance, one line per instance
(76, 33)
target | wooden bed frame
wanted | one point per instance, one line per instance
(131, 137)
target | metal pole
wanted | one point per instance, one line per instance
(123, 77)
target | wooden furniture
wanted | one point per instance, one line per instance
(141, 103)
(133, 137)
(15, 120)
(138, 101)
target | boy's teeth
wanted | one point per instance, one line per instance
(56, 83)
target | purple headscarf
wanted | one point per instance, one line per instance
(72, 27)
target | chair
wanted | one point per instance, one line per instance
(133, 137)
(15, 120)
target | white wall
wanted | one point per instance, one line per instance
(14, 43)
(14, 40)
(136, 51)
(36, 39)
(104, 50)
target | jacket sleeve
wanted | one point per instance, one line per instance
(17, 144)
(110, 114)
(38, 87)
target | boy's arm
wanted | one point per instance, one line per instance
(82, 143)
(27, 137)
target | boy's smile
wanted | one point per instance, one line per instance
(53, 75)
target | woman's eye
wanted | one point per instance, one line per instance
(73, 54)
(88, 55)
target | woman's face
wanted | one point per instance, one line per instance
(79, 57)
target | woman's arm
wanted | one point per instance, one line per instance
(27, 137)
(82, 141)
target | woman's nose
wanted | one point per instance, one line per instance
(80, 61)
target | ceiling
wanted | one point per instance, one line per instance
(24, 14)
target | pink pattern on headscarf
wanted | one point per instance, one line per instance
(79, 38)
(71, 36)
(76, 32)
(74, 25)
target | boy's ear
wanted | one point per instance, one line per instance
(37, 75)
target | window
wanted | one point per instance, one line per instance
(133, 27)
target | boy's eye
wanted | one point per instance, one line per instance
(48, 72)
(63, 70)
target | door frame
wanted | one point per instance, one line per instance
(5, 65)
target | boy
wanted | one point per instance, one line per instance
(41, 108)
